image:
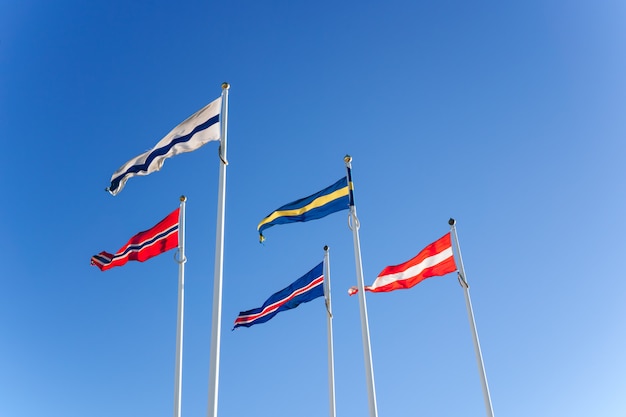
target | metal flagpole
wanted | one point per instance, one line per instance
(216, 328)
(354, 226)
(331, 355)
(178, 374)
(470, 313)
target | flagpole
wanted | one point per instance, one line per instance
(216, 328)
(470, 313)
(178, 374)
(329, 320)
(354, 226)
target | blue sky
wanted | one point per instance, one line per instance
(507, 117)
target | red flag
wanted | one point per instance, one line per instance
(434, 260)
(144, 245)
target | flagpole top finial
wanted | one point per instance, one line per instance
(347, 159)
(183, 198)
(325, 248)
(451, 222)
(225, 86)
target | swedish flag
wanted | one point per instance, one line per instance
(318, 205)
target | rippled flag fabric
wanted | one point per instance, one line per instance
(435, 259)
(144, 245)
(306, 288)
(198, 129)
(327, 201)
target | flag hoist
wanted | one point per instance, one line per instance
(216, 326)
(470, 313)
(354, 226)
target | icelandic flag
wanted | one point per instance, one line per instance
(200, 128)
(304, 289)
(144, 245)
(327, 201)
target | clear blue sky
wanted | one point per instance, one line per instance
(507, 116)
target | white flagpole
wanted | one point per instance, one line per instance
(470, 313)
(216, 328)
(178, 373)
(354, 225)
(329, 319)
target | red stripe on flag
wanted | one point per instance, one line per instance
(144, 245)
(435, 259)
(273, 307)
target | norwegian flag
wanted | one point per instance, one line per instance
(144, 245)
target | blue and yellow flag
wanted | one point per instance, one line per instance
(321, 204)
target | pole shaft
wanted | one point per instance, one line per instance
(216, 327)
(472, 322)
(178, 373)
(367, 352)
(329, 320)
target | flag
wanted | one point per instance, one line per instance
(303, 290)
(144, 245)
(200, 128)
(434, 260)
(318, 205)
